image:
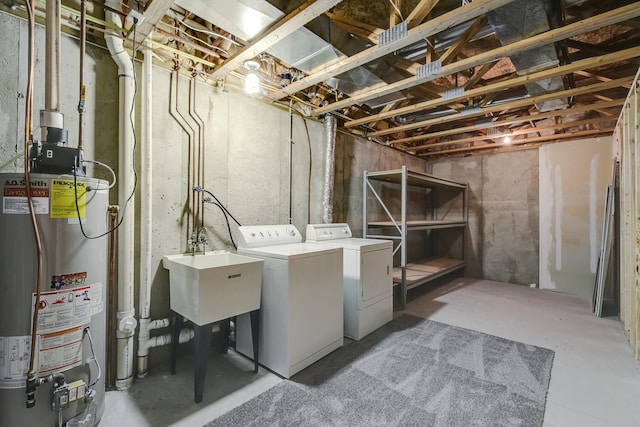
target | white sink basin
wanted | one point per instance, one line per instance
(213, 286)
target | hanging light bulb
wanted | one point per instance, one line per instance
(251, 79)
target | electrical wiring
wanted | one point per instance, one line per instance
(87, 332)
(113, 174)
(226, 218)
(135, 174)
(224, 210)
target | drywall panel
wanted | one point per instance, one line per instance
(573, 181)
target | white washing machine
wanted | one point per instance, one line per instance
(301, 303)
(368, 277)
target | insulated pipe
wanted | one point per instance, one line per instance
(329, 168)
(126, 310)
(52, 56)
(146, 228)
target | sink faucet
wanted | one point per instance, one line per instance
(198, 241)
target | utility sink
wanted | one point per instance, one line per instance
(212, 286)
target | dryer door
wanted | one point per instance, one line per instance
(377, 275)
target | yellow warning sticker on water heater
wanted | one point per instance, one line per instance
(68, 200)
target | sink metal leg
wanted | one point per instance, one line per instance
(178, 319)
(225, 330)
(255, 336)
(202, 345)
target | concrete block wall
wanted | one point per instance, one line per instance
(502, 237)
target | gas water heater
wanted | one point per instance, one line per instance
(70, 330)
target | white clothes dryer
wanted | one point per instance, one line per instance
(368, 277)
(301, 303)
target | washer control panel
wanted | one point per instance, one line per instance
(253, 236)
(319, 232)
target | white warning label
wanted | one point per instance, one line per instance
(64, 309)
(97, 305)
(14, 361)
(59, 351)
(14, 200)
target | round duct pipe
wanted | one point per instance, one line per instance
(329, 168)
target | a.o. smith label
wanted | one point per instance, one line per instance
(14, 197)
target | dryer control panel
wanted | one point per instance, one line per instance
(255, 236)
(320, 232)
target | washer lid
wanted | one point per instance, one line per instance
(357, 243)
(290, 251)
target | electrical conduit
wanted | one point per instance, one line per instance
(126, 310)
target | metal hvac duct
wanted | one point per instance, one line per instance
(519, 20)
(318, 43)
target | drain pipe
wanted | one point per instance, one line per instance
(126, 310)
(146, 237)
(329, 168)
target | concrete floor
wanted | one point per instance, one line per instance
(594, 381)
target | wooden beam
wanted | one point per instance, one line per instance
(550, 138)
(477, 75)
(281, 29)
(514, 82)
(434, 26)
(541, 39)
(513, 104)
(360, 29)
(153, 13)
(555, 126)
(538, 116)
(453, 50)
(420, 12)
(394, 16)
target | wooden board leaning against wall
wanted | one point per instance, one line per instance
(625, 137)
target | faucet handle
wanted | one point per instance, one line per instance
(202, 235)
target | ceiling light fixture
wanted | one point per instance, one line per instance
(251, 79)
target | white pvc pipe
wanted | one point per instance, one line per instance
(52, 56)
(186, 335)
(126, 311)
(146, 230)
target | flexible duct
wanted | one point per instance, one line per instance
(329, 168)
(126, 310)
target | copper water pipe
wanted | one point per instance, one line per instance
(112, 296)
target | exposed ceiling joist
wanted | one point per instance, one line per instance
(281, 29)
(589, 24)
(153, 13)
(434, 26)
(420, 12)
(590, 133)
(510, 105)
(599, 106)
(514, 82)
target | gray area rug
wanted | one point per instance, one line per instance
(410, 372)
